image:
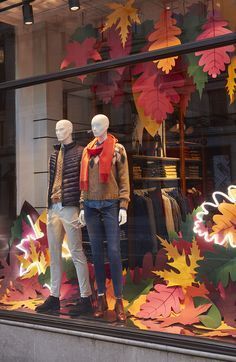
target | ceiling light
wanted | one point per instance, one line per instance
(27, 11)
(74, 5)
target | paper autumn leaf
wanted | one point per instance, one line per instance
(18, 304)
(188, 315)
(165, 36)
(153, 326)
(225, 222)
(184, 266)
(225, 304)
(231, 80)
(161, 302)
(79, 54)
(214, 60)
(194, 70)
(122, 17)
(36, 262)
(155, 91)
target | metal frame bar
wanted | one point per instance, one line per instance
(124, 61)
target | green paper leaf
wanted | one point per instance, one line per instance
(84, 32)
(45, 278)
(69, 269)
(200, 301)
(200, 78)
(193, 21)
(132, 291)
(212, 319)
(16, 230)
(186, 229)
(218, 266)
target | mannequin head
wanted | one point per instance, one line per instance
(64, 129)
(100, 124)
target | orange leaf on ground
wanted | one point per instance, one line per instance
(161, 302)
(188, 315)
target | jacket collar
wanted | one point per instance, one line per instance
(67, 147)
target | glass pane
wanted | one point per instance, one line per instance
(178, 130)
(60, 38)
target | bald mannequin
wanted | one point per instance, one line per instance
(64, 129)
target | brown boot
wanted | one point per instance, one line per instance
(101, 306)
(119, 309)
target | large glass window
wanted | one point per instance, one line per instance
(176, 119)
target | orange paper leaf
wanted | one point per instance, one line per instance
(188, 315)
(163, 37)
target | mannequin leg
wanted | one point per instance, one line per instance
(96, 236)
(112, 229)
(55, 232)
(69, 217)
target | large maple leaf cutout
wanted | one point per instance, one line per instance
(188, 315)
(183, 267)
(161, 302)
(79, 54)
(231, 80)
(214, 60)
(122, 17)
(165, 36)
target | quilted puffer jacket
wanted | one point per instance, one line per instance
(71, 174)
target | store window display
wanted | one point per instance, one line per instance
(104, 182)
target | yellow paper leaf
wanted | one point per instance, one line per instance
(225, 222)
(163, 37)
(122, 16)
(231, 80)
(138, 323)
(135, 306)
(185, 275)
(151, 126)
(17, 304)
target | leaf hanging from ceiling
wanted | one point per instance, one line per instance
(79, 54)
(165, 36)
(214, 60)
(231, 80)
(122, 16)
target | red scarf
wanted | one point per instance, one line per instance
(105, 152)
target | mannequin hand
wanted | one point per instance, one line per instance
(122, 217)
(82, 218)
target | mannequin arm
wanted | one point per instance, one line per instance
(122, 217)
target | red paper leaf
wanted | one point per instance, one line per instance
(188, 315)
(79, 54)
(116, 50)
(214, 60)
(161, 302)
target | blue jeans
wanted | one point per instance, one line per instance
(102, 224)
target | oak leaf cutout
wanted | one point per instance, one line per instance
(165, 36)
(231, 80)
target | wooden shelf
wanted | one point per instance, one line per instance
(155, 179)
(194, 178)
(192, 160)
(155, 158)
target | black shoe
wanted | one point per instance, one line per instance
(83, 306)
(51, 304)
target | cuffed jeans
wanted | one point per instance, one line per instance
(61, 221)
(102, 224)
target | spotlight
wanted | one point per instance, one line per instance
(74, 5)
(27, 11)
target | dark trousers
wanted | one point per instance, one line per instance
(102, 224)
